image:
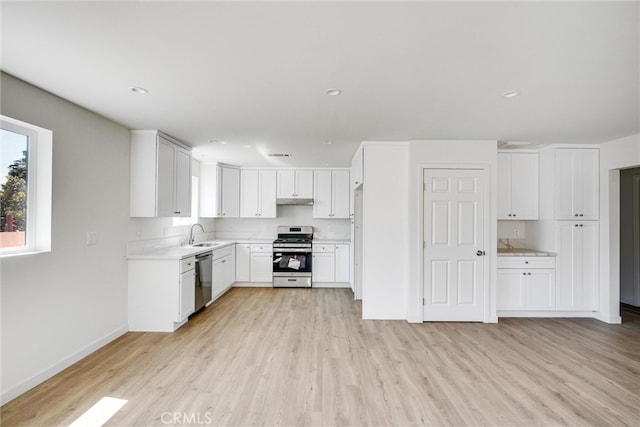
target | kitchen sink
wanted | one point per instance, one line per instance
(205, 244)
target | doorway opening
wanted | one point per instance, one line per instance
(630, 246)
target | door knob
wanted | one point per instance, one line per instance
(480, 253)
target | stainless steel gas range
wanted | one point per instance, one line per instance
(292, 257)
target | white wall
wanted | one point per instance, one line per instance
(59, 306)
(450, 154)
(266, 228)
(385, 229)
(614, 155)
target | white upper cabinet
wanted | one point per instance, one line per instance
(357, 172)
(219, 191)
(518, 186)
(160, 176)
(230, 198)
(258, 193)
(576, 183)
(331, 196)
(295, 184)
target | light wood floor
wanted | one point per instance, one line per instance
(261, 356)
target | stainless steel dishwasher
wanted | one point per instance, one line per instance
(204, 277)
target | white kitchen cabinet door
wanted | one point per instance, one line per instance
(258, 193)
(342, 269)
(166, 177)
(267, 193)
(230, 270)
(230, 192)
(511, 289)
(331, 194)
(210, 198)
(304, 184)
(261, 267)
(286, 184)
(577, 183)
(243, 262)
(249, 193)
(577, 265)
(541, 289)
(518, 191)
(356, 168)
(322, 194)
(323, 268)
(186, 290)
(160, 176)
(183, 183)
(341, 198)
(219, 273)
(526, 289)
(295, 184)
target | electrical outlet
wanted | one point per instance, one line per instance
(516, 232)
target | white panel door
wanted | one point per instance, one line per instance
(342, 263)
(323, 270)
(454, 245)
(243, 262)
(577, 271)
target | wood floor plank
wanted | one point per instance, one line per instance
(304, 357)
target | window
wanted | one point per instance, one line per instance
(25, 188)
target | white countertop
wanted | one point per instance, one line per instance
(180, 252)
(523, 252)
(331, 241)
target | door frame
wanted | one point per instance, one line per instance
(489, 314)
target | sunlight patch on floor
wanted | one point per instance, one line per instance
(99, 413)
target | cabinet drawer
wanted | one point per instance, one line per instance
(219, 253)
(323, 248)
(188, 264)
(526, 262)
(261, 248)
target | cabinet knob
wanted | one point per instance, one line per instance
(581, 214)
(524, 274)
(581, 225)
(575, 215)
(526, 262)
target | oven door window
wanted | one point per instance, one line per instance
(291, 262)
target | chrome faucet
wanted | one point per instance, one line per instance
(192, 238)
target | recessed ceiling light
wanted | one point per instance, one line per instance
(333, 92)
(246, 146)
(222, 142)
(139, 90)
(215, 141)
(511, 94)
(329, 142)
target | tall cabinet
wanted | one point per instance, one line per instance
(569, 223)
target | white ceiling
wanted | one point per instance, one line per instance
(256, 73)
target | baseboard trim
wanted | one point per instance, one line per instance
(252, 285)
(550, 314)
(331, 285)
(607, 318)
(40, 377)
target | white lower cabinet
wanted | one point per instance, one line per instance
(331, 263)
(526, 283)
(161, 294)
(261, 269)
(224, 270)
(243, 262)
(577, 265)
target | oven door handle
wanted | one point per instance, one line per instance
(296, 250)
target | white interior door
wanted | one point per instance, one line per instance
(453, 257)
